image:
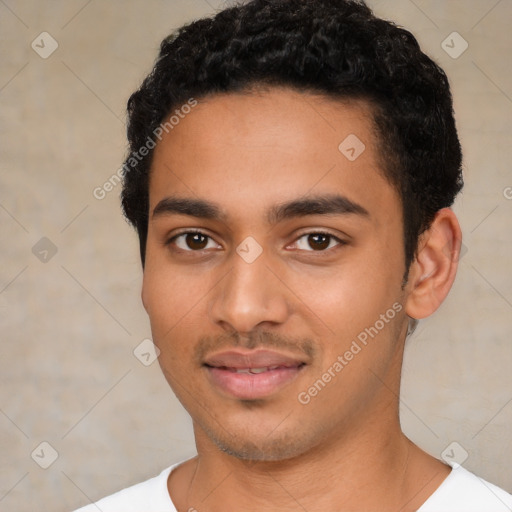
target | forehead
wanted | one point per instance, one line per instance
(268, 146)
(271, 117)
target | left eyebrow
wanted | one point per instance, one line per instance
(320, 205)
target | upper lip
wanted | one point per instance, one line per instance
(252, 359)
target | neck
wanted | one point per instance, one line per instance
(376, 468)
(362, 463)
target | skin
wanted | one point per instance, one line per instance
(344, 450)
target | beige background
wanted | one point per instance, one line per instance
(69, 325)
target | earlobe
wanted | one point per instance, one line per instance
(433, 271)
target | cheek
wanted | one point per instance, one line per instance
(170, 303)
(350, 296)
(170, 297)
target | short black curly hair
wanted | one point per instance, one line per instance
(335, 48)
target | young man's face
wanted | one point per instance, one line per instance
(301, 292)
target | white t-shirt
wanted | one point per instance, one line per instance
(461, 491)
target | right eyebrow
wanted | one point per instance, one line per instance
(188, 206)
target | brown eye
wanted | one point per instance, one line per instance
(196, 241)
(193, 241)
(319, 241)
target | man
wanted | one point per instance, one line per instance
(292, 168)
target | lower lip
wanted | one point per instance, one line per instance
(251, 386)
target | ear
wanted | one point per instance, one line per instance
(433, 271)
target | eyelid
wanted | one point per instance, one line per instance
(185, 231)
(324, 232)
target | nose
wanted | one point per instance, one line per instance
(250, 296)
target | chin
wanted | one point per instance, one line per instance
(247, 447)
(250, 452)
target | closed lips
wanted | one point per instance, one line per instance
(255, 362)
(255, 370)
(251, 375)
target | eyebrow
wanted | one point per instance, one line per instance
(187, 206)
(316, 205)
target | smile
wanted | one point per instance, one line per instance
(252, 374)
(254, 370)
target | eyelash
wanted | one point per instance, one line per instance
(323, 233)
(184, 233)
